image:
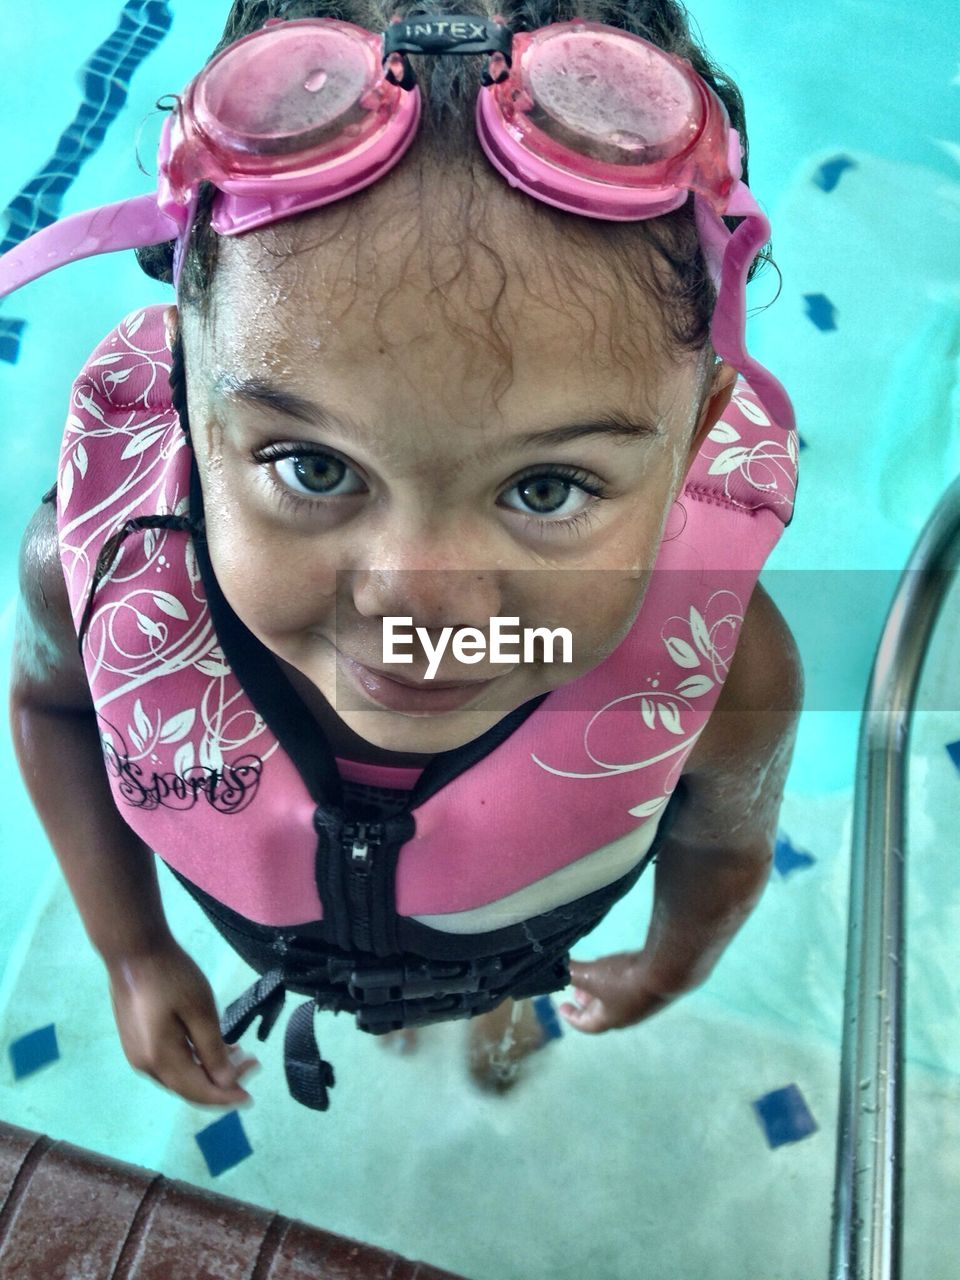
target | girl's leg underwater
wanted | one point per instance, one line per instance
(497, 1042)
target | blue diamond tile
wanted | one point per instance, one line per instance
(11, 331)
(953, 750)
(785, 1116)
(224, 1143)
(786, 858)
(33, 1051)
(547, 1015)
(821, 311)
(828, 175)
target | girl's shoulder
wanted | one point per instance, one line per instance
(48, 669)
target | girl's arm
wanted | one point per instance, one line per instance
(158, 992)
(715, 863)
(110, 871)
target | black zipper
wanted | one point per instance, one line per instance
(360, 839)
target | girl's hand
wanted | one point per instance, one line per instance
(619, 990)
(168, 1024)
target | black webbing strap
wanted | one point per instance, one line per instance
(265, 998)
(308, 1075)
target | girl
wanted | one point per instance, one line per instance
(400, 392)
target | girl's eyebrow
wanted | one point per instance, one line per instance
(262, 393)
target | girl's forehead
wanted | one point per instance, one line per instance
(437, 370)
(326, 311)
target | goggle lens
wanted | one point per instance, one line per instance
(614, 99)
(302, 87)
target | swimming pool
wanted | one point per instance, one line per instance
(642, 1144)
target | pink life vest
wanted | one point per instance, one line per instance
(188, 752)
(563, 799)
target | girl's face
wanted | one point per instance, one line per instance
(380, 476)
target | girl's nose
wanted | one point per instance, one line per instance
(438, 581)
(431, 597)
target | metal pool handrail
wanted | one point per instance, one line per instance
(866, 1237)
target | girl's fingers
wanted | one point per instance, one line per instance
(214, 1060)
(178, 1068)
(590, 1015)
(244, 1066)
(213, 1051)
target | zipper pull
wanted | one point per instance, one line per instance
(361, 836)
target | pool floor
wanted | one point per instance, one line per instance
(638, 1152)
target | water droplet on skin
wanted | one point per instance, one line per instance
(315, 81)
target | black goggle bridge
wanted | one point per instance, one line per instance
(446, 34)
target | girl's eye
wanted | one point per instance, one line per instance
(314, 473)
(311, 475)
(557, 496)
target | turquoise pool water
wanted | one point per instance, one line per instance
(639, 1151)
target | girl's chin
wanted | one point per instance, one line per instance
(420, 733)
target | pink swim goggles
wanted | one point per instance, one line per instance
(585, 117)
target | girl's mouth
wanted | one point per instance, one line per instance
(428, 697)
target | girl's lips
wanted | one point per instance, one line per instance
(427, 698)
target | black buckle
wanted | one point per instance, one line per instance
(392, 1016)
(383, 984)
(378, 985)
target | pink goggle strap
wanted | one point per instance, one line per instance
(127, 224)
(729, 257)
